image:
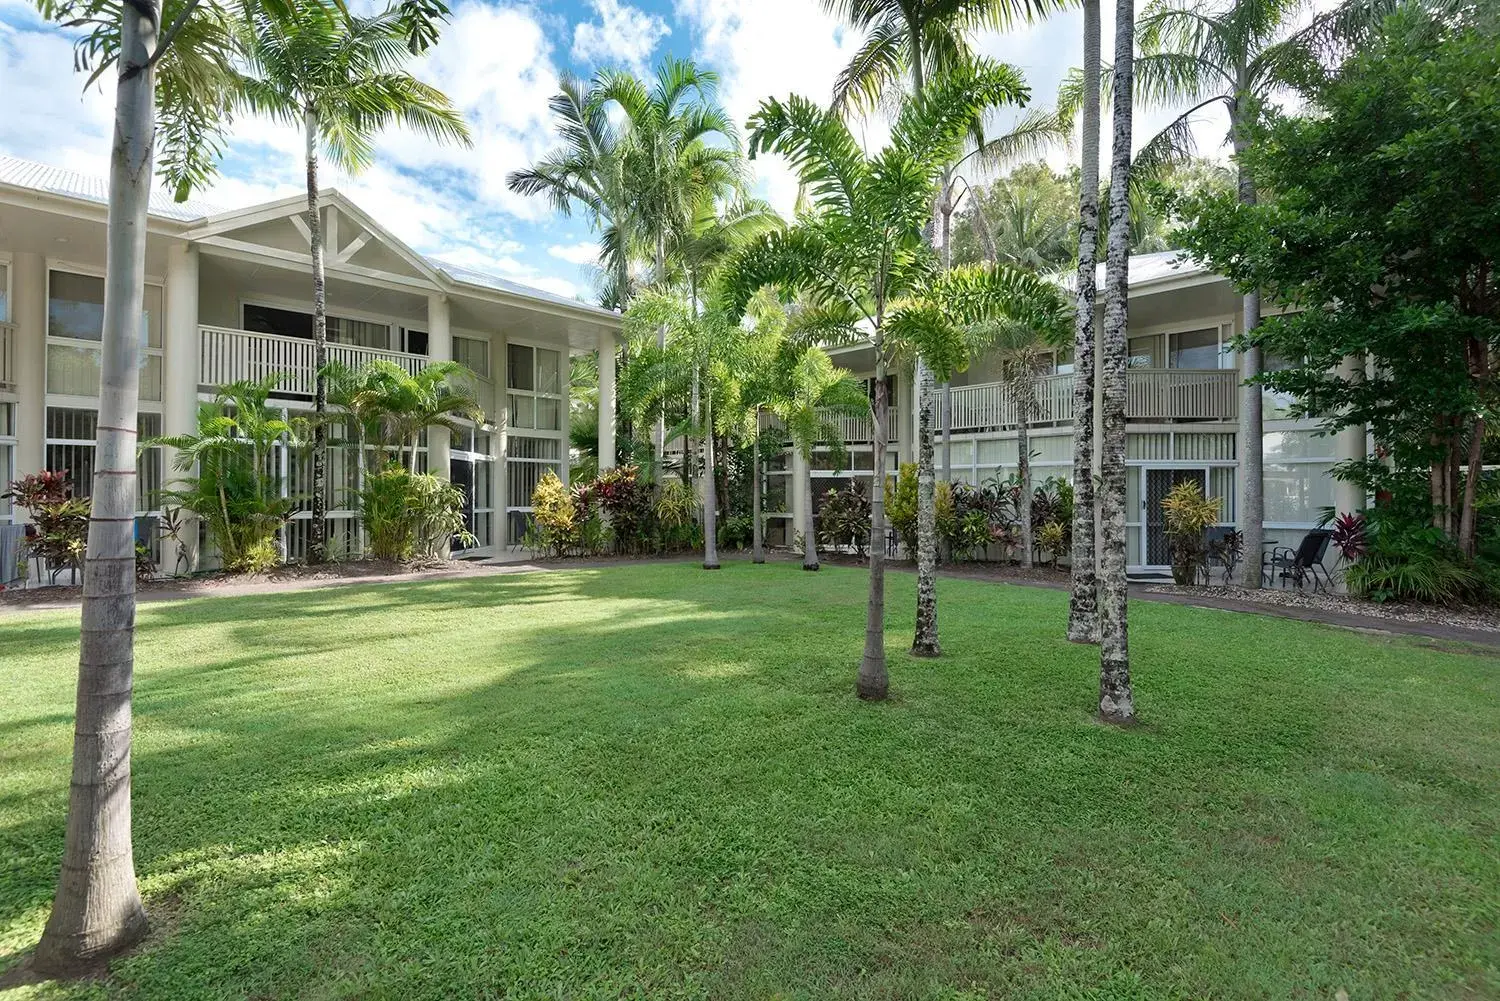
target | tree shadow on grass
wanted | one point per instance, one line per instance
(653, 786)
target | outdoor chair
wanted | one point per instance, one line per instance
(1300, 564)
(1223, 549)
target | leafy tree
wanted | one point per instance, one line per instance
(179, 78)
(906, 44)
(1383, 236)
(861, 258)
(1235, 56)
(339, 76)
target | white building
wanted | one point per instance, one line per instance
(1184, 393)
(228, 296)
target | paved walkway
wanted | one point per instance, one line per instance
(513, 563)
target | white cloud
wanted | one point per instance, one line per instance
(623, 36)
(582, 252)
(771, 48)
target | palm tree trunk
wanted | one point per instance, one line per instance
(946, 230)
(659, 435)
(710, 491)
(1116, 700)
(317, 548)
(1023, 465)
(810, 533)
(97, 910)
(757, 541)
(1083, 603)
(925, 643)
(1252, 424)
(874, 683)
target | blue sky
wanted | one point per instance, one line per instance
(499, 61)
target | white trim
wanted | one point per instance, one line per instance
(300, 225)
(355, 246)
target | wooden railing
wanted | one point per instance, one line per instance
(7, 355)
(227, 355)
(1151, 394)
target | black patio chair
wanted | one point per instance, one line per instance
(1223, 547)
(1301, 564)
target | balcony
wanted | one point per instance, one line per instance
(227, 355)
(861, 430)
(1152, 394)
(7, 356)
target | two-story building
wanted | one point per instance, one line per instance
(1183, 399)
(228, 297)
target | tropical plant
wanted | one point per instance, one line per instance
(1053, 539)
(901, 506)
(59, 521)
(861, 259)
(237, 490)
(1434, 575)
(412, 515)
(1236, 55)
(338, 75)
(1349, 536)
(1188, 515)
(844, 519)
(172, 85)
(554, 514)
(588, 171)
(627, 502)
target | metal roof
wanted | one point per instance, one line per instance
(481, 279)
(1147, 269)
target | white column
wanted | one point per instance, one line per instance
(29, 313)
(1349, 444)
(439, 348)
(181, 372)
(565, 466)
(607, 456)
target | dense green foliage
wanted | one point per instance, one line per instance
(1381, 234)
(570, 785)
(411, 515)
(60, 520)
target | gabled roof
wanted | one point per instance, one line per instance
(205, 220)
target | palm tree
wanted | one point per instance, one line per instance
(1083, 600)
(679, 149)
(1033, 327)
(1116, 702)
(178, 79)
(587, 170)
(1235, 54)
(861, 257)
(923, 39)
(339, 76)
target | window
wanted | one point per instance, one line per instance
(75, 326)
(1144, 351)
(1195, 349)
(526, 462)
(4, 294)
(297, 323)
(473, 354)
(71, 436)
(413, 342)
(1298, 477)
(533, 377)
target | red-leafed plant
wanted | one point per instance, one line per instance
(60, 521)
(1350, 537)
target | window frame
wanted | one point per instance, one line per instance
(85, 402)
(533, 394)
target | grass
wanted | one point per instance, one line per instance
(655, 782)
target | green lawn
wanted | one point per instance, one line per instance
(655, 782)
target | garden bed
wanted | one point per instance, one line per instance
(280, 578)
(1469, 617)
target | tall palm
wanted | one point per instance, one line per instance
(339, 76)
(679, 148)
(587, 171)
(907, 43)
(1083, 600)
(1035, 325)
(172, 84)
(1116, 701)
(861, 256)
(1234, 54)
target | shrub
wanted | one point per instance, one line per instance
(1188, 515)
(1349, 537)
(407, 515)
(676, 509)
(901, 506)
(1052, 539)
(845, 518)
(61, 520)
(1404, 569)
(737, 532)
(627, 504)
(553, 514)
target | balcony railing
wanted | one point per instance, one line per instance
(231, 355)
(1152, 394)
(861, 430)
(7, 356)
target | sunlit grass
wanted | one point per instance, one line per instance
(655, 782)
